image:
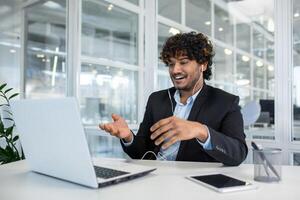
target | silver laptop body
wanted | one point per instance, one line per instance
(54, 143)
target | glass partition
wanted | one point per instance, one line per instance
(45, 50)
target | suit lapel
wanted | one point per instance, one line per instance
(198, 104)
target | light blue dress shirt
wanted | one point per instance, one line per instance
(181, 111)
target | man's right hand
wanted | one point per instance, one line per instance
(118, 128)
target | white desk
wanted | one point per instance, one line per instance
(167, 182)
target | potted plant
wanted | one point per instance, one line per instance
(9, 151)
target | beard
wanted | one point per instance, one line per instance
(189, 86)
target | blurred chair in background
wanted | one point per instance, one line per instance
(250, 112)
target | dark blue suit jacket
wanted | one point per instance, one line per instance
(215, 108)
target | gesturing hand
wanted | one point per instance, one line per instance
(118, 128)
(174, 129)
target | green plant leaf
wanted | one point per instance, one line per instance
(6, 91)
(12, 96)
(5, 104)
(9, 131)
(2, 86)
(8, 118)
(15, 138)
(8, 112)
(7, 155)
(4, 157)
(1, 127)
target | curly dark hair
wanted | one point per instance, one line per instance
(196, 46)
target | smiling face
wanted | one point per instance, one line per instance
(185, 73)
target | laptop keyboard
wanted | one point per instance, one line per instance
(107, 173)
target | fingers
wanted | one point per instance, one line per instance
(165, 137)
(115, 117)
(101, 126)
(163, 129)
(170, 142)
(160, 123)
(109, 128)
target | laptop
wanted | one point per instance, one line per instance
(54, 144)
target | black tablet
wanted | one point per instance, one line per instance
(222, 183)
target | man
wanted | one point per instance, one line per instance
(191, 121)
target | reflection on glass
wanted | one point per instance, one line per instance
(244, 93)
(242, 78)
(270, 51)
(270, 78)
(296, 103)
(243, 36)
(45, 73)
(243, 70)
(164, 82)
(164, 32)
(259, 74)
(10, 31)
(225, 87)
(136, 2)
(109, 32)
(170, 9)
(296, 73)
(223, 26)
(105, 146)
(105, 90)
(258, 43)
(223, 61)
(264, 126)
(296, 159)
(198, 15)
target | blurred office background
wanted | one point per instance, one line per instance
(105, 53)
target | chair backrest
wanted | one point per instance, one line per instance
(250, 112)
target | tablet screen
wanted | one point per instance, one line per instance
(220, 180)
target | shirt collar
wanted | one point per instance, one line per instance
(189, 100)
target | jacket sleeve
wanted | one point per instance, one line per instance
(228, 144)
(142, 142)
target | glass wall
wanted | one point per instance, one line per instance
(296, 71)
(109, 71)
(170, 9)
(112, 50)
(10, 43)
(198, 15)
(223, 25)
(45, 57)
(296, 159)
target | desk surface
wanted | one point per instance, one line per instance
(167, 182)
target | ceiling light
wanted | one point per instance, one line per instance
(52, 4)
(207, 23)
(227, 51)
(270, 25)
(259, 63)
(110, 7)
(40, 55)
(220, 29)
(296, 14)
(12, 51)
(242, 82)
(173, 31)
(271, 68)
(245, 58)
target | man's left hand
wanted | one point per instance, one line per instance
(174, 129)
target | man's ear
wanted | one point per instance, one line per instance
(203, 66)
